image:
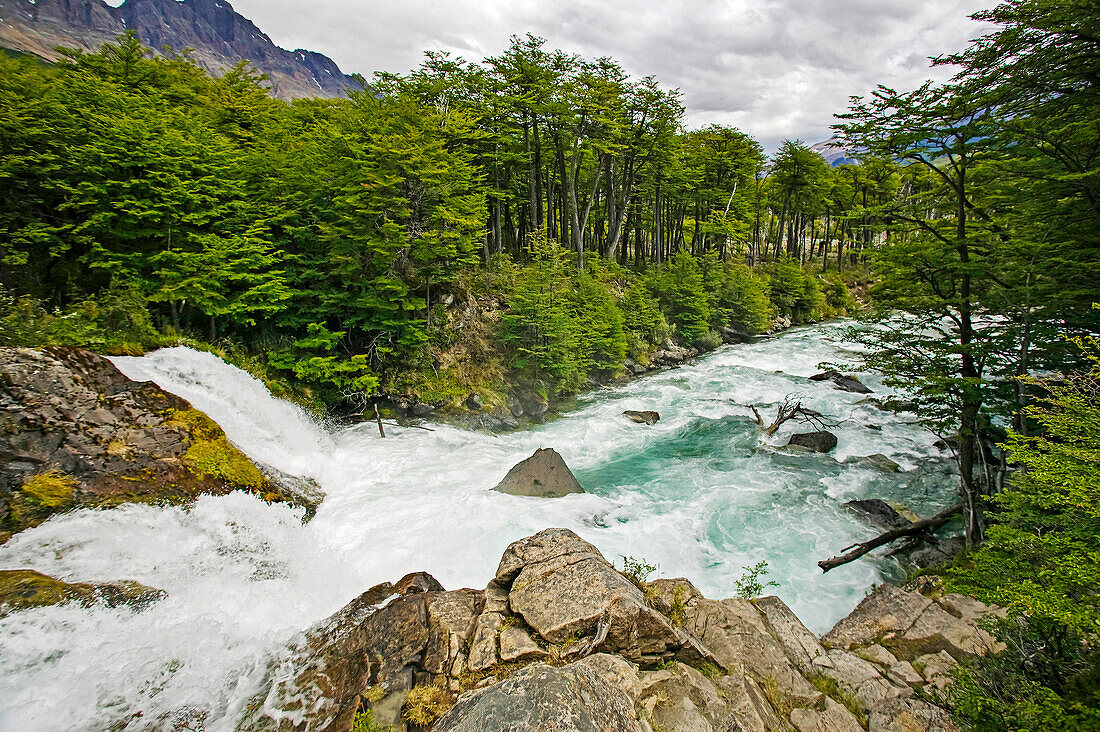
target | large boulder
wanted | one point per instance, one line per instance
(843, 382)
(815, 441)
(738, 636)
(75, 432)
(543, 475)
(564, 589)
(887, 609)
(573, 698)
(909, 715)
(22, 589)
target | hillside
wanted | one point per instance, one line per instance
(218, 35)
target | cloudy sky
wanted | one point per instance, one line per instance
(774, 68)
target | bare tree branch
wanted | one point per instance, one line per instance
(917, 527)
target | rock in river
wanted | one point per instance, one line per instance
(816, 441)
(544, 475)
(841, 381)
(649, 417)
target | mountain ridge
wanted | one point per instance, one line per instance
(217, 35)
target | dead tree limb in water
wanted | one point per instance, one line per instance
(378, 419)
(791, 408)
(855, 551)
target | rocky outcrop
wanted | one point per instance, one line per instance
(573, 698)
(646, 417)
(75, 432)
(814, 441)
(218, 38)
(843, 382)
(543, 475)
(22, 589)
(559, 640)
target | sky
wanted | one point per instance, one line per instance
(776, 69)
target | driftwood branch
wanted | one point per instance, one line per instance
(791, 408)
(378, 419)
(856, 551)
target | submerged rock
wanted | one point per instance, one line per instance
(22, 589)
(843, 382)
(815, 441)
(648, 417)
(543, 475)
(878, 512)
(878, 461)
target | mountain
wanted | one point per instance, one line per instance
(834, 153)
(218, 35)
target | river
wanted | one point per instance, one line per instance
(700, 494)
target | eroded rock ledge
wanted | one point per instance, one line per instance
(75, 432)
(560, 640)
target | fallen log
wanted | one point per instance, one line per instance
(855, 551)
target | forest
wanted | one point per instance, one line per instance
(535, 220)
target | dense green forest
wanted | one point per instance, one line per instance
(145, 200)
(535, 220)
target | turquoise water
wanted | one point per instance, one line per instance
(701, 494)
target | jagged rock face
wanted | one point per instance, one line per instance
(75, 432)
(219, 37)
(561, 641)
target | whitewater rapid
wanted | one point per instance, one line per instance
(699, 494)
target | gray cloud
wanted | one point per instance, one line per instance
(774, 68)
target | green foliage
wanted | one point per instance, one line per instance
(680, 289)
(540, 323)
(637, 571)
(750, 584)
(1048, 678)
(794, 293)
(742, 297)
(1041, 559)
(364, 722)
(117, 322)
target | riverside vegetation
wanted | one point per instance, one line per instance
(537, 220)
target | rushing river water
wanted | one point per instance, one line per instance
(701, 494)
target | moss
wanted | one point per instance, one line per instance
(52, 489)
(426, 703)
(364, 722)
(41, 496)
(830, 688)
(221, 460)
(677, 615)
(22, 589)
(211, 454)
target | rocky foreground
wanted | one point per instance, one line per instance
(560, 640)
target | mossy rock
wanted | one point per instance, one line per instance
(23, 589)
